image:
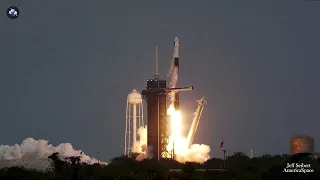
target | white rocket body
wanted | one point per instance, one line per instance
(176, 72)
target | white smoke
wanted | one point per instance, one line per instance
(145, 155)
(139, 146)
(39, 149)
(198, 153)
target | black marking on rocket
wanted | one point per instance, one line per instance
(176, 94)
(176, 62)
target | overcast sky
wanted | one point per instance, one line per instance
(67, 67)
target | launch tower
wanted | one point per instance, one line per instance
(158, 135)
(155, 95)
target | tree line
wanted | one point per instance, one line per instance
(237, 167)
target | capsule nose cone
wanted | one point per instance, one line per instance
(176, 39)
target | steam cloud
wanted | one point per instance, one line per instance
(140, 146)
(197, 153)
(39, 149)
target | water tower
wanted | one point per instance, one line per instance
(301, 144)
(134, 119)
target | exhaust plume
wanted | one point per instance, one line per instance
(196, 153)
(39, 149)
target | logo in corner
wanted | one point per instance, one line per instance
(13, 12)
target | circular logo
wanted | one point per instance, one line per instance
(13, 12)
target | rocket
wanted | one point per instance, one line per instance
(176, 72)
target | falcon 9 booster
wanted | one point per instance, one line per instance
(176, 73)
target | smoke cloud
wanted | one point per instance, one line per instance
(141, 157)
(140, 146)
(39, 149)
(145, 155)
(198, 153)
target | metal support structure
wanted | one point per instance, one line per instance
(195, 121)
(164, 137)
(158, 122)
(163, 129)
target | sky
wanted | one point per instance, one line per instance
(67, 68)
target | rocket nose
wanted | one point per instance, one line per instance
(176, 39)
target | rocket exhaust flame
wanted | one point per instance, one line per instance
(182, 150)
